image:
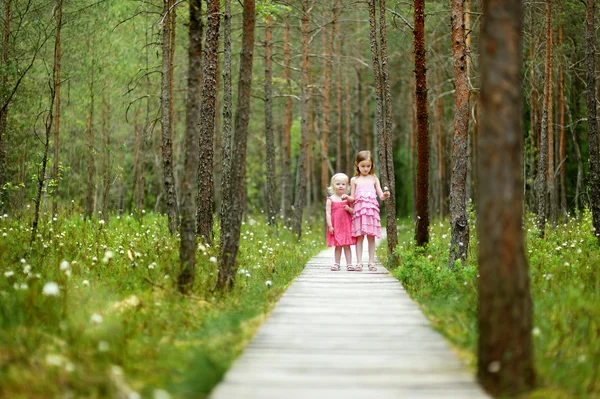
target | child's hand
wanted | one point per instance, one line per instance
(344, 196)
(349, 209)
(386, 195)
(330, 229)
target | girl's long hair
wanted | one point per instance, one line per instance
(363, 156)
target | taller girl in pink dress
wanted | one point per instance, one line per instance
(365, 189)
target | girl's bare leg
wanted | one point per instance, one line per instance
(371, 241)
(338, 255)
(348, 255)
(359, 249)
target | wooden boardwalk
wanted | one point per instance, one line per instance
(347, 335)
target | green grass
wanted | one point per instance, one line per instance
(118, 325)
(565, 285)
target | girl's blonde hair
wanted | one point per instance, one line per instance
(334, 178)
(363, 156)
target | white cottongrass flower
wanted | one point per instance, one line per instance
(108, 256)
(212, 259)
(268, 283)
(23, 261)
(103, 346)
(536, 331)
(97, 318)
(54, 360)
(64, 265)
(9, 273)
(201, 247)
(160, 394)
(494, 366)
(85, 282)
(51, 289)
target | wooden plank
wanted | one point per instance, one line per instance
(347, 335)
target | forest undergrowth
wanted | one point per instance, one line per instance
(565, 287)
(91, 311)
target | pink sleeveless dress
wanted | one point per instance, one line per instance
(342, 226)
(365, 220)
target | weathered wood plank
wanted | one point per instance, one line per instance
(347, 335)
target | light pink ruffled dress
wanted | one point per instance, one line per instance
(342, 226)
(365, 220)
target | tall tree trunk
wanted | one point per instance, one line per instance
(301, 181)
(327, 64)
(412, 146)
(541, 180)
(422, 228)
(552, 197)
(90, 192)
(55, 169)
(505, 352)
(187, 248)
(269, 138)
(106, 157)
(4, 64)
(335, 29)
(387, 161)
(593, 146)
(204, 227)
(579, 181)
(167, 142)
(48, 123)
(286, 175)
(459, 223)
(533, 118)
(348, 127)
(231, 222)
(561, 131)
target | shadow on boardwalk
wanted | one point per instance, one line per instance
(347, 335)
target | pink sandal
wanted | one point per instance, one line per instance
(372, 267)
(335, 267)
(349, 268)
(358, 268)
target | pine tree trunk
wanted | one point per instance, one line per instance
(422, 228)
(561, 132)
(286, 175)
(269, 138)
(593, 146)
(338, 86)
(91, 165)
(4, 107)
(187, 249)
(204, 215)
(301, 181)
(48, 123)
(541, 180)
(327, 36)
(348, 127)
(387, 163)
(459, 223)
(412, 145)
(106, 157)
(552, 197)
(167, 143)
(231, 222)
(505, 352)
(55, 169)
(533, 119)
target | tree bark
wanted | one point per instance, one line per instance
(187, 248)
(301, 181)
(269, 137)
(204, 227)
(505, 353)
(106, 158)
(561, 132)
(55, 169)
(552, 197)
(4, 109)
(422, 228)
(593, 146)
(90, 194)
(41, 177)
(231, 223)
(286, 176)
(459, 223)
(167, 143)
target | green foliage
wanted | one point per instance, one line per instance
(117, 323)
(564, 285)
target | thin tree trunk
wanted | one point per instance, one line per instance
(505, 352)
(533, 119)
(579, 181)
(412, 140)
(55, 169)
(338, 86)
(53, 82)
(286, 175)
(552, 197)
(387, 163)
(269, 138)
(327, 64)
(106, 156)
(231, 223)
(348, 126)
(4, 109)
(301, 181)
(561, 131)
(541, 180)
(422, 228)
(593, 146)
(187, 249)
(167, 143)
(204, 216)
(459, 223)
(91, 165)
